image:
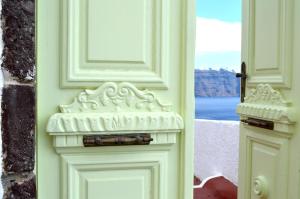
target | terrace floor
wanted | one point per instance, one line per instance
(216, 188)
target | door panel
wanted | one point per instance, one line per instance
(267, 41)
(266, 164)
(269, 138)
(97, 35)
(129, 175)
(267, 125)
(105, 68)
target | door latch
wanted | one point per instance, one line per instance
(243, 76)
(116, 140)
(259, 123)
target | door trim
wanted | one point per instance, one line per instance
(188, 99)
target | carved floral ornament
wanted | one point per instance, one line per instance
(115, 107)
(266, 103)
(112, 97)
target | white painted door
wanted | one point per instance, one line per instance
(269, 134)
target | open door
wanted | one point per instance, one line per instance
(115, 99)
(269, 141)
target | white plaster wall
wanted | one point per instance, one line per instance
(216, 149)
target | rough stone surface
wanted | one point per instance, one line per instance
(18, 24)
(25, 189)
(18, 125)
(18, 101)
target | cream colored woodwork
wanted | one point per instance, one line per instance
(267, 41)
(269, 159)
(115, 67)
(76, 140)
(265, 103)
(264, 171)
(114, 109)
(264, 154)
(135, 175)
(104, 42)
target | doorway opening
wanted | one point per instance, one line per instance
(217, 93)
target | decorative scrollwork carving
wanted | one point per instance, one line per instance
(115, 108)
(265, 103)
(112, 97)
(265, 94)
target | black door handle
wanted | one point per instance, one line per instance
(243, 76)
(259, 123)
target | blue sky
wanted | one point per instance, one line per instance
(225, 10)
(218, 34)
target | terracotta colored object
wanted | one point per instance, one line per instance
(217, 188)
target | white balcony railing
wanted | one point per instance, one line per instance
(216, 149)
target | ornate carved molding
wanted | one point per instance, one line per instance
(264, 94)
(112, 97)
(109, 122)
(265, 103)
(115, 108)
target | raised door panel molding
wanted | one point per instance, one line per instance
(127, 175)
(268, 37)
(97, 46)
(266, 164)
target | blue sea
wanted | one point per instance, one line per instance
(217, 108)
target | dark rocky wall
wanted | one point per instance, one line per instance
(18, 37)
(18, 99)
